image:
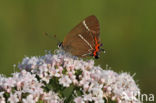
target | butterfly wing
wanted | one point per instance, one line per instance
(93, 25)
(80, 40)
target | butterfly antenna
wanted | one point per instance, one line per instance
(52, 37)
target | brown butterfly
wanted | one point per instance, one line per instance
(83, 40)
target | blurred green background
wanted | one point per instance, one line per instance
(128, 32)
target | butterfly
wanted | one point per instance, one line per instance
(83, 40)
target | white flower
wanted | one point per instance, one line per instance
(28, 99)
(2, 99)
(79, 100)
(51, 97)
(65, 81)
(88, 97)
(13, 98)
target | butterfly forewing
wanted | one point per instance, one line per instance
(80, 40)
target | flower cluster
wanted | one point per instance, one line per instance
(64, 78)
(24, 87)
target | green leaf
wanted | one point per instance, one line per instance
(40, 101)
(6, 95)
(68, 94)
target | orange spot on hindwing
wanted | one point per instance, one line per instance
(96, 47)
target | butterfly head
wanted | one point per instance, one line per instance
(60, 45)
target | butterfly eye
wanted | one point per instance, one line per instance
(60, 45)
